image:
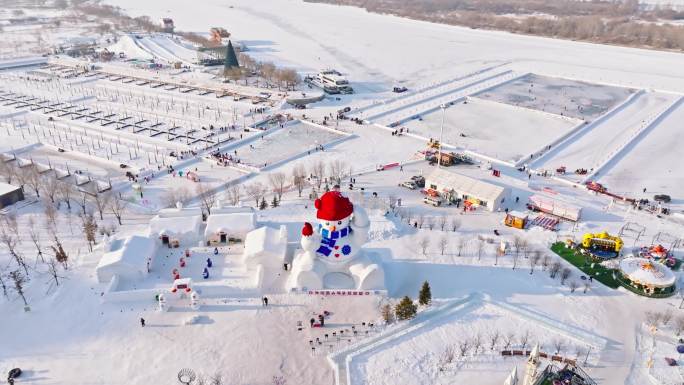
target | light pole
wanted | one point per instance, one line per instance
(441, 137)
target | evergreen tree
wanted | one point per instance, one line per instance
(231, 60)
(263, 205)
(425, 295)
(406, 309)
(274, 202)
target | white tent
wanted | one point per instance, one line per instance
(185, 229)
(265, 246)
(127, 258)
(478, 192)
(648, 273)
(555, 207)
(222, 226)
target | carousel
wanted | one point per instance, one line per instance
(647, 275)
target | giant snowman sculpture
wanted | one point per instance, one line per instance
(332, 257)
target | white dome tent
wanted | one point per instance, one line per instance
(647, 275)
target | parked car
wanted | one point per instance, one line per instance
(418, 180)
(435, 201)
(662, 198)
(399, 89)
(409, 184)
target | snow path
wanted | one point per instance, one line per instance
(347, 361)
(433, 102)
(580, 151)
(661, 173)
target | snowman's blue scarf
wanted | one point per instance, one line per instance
(329, 238)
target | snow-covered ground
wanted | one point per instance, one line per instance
(480, 126)
(630, 99)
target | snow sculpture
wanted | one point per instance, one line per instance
(332, 250)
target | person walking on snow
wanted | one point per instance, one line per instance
(264, 301)
(142, 322)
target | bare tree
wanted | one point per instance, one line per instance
(65, 191)
(89, 228)
(8, 170)
(524, 247)
(3, 285)
(565, 274)
(446, 357)
(667, 317)
(318, 171)
(299, 178)
(234, 194)
(463, 347)
(480, 248)
(524, 339)
(545, 262)
(460, 245)
(51, 213)
(387, 313)
(82, 201)
(256, 191)
(455, 224)
(336, 169)
(174, 196)
(442, 222)
(494, 337)
(573, 285)
(206, 196)
(420, 220)
(217, 379)
(679, 325)
(515, 257)
(477, 343)
(52, 270)
(517, 246)
(508, 339)
(19, 281)
(10, 239)
(60, 254)
(35, 239)
(429, 222)
(442, 245)
(118, 208)
(534, 260)
(558, 344)
(33, 179)
(50, 187)
(424, 243)
(277, 181)
(101, 201)
(554, 269)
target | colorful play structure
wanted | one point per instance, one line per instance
(657, 253)
(602, 245)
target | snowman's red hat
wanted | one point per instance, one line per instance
(332, 206)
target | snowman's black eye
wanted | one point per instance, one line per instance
(339, 223)
(327, 223)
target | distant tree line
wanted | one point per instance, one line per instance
(608, 22)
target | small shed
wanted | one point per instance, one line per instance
(516, 219)
(10, 194)
(128, 258)
(265, 246)
(223, 226)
